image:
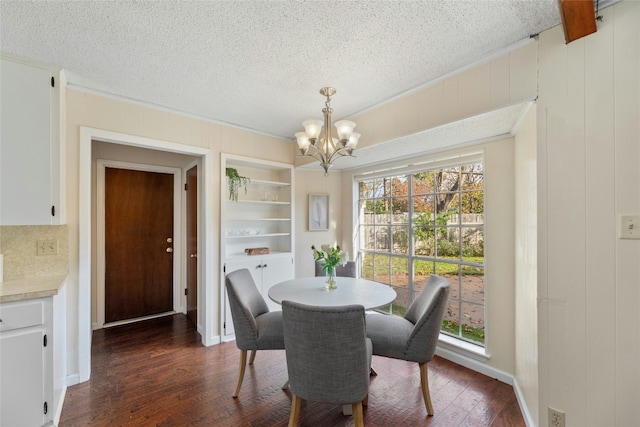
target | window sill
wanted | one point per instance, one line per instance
(464, 348)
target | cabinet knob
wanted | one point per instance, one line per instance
(193, 256)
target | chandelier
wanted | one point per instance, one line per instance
(317, 141)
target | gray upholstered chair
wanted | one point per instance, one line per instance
(255, 326)
(414, 336)
(347, 270)
(328, 356)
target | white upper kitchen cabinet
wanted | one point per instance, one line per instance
(30, 191)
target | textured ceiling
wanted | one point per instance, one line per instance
(259, 64)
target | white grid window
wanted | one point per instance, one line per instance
(430, 221)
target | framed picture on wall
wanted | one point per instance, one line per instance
(318, 212)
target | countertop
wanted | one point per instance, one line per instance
(29, 288)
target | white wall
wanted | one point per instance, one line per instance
(499, 218)
(307, 182)
(526, 256)
(588, 280)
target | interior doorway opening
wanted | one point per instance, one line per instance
(207, 297)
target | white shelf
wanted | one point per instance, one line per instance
(253, 236)
(269, 183)
(257, 219)
(260, 202)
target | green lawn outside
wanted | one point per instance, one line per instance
(423, 268)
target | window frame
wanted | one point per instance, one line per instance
(410, 255)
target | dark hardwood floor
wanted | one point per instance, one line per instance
(156, 373)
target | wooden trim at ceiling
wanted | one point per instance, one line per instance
(578, 18)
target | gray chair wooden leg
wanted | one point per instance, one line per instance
(296, 403)
(358, 416)
(243, 364)
(252, 357)
(424, 383)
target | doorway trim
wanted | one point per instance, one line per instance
(207, 234)
(177, 235)
(188, 167)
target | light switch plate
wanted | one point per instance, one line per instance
(629, 227)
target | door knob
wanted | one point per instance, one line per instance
(169, 250)
(193, 256)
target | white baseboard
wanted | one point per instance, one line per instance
(489, 371)
(474, 365)
(73, 380)
(526, 414)
(59, 401)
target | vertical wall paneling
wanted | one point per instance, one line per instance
(626, 69)
(573, 290)
(523, 73)
(600, 222)
(500, 82)
(408, 115)
(589, 141)
(450, 99)
(431, 112)
(475, 84)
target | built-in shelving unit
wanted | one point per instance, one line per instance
(262, 217)
(263, 214)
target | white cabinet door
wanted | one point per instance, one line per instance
(22, 362)
(266, 272)
(26, 363)
(27, 183)
(275, 270)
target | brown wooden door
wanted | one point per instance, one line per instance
(138, 243)
(192, 244)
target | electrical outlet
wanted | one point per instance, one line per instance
(556, 418)
(47, 247)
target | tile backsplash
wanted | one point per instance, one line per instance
(19, 247)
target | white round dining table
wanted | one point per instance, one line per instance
(311, 291)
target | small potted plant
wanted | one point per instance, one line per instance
(236, 181)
